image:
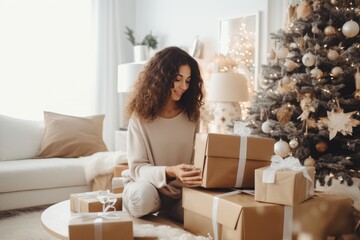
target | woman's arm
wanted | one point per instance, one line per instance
(140, 165)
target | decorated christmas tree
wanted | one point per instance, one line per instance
(309, 96)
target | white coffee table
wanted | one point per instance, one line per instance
(55, 220)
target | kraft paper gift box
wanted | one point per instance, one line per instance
(289, 188)
(239, 216)
(118, 169)
(117, 184)
(229, 161)
(101, 228)
(88, 202)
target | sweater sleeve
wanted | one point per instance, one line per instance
(141, 164)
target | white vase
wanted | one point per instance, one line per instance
(141, 53)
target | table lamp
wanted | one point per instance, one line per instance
(127, 75)
(226, 90)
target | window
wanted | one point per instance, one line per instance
(46, 58)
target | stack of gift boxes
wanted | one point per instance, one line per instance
(247, 194)
(281, 205)
(98, 215)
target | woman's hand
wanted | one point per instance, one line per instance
(187, 174)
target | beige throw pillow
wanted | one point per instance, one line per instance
(70, 136)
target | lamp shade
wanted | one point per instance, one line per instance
(227, 87)
(128, 74)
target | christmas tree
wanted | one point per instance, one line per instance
(309, 98)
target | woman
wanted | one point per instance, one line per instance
(164, 111)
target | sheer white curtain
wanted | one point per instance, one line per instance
(107, 30)
(46, 58)
(49, 60)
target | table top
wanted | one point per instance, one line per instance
(55, 220)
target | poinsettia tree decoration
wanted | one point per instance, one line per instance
(340, 122)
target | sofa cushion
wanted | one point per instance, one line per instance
(31, 174)
(19, 138)
(70, 136)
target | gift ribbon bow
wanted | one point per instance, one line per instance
(278, 164)
(107, 199)
(243, 131)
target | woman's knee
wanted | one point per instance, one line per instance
(141, 198)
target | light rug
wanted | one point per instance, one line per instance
(26, 225)
(23, 225)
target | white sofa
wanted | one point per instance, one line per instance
(34, 182)
(26, 181)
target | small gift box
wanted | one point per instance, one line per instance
(118, 169)
(285, 182)
(91, 202)
(101, 226)
(228, 160)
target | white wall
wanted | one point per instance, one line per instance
(178, 22)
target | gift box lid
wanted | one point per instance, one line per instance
(228, 146)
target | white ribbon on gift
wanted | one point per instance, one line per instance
(278, 163)
(215, 211)
(243, 131)
(98, 220)
(288, 223)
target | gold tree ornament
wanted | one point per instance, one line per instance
(303, 10)
(333, 55)
(284, 113)
(321, 146)
(316, 73)
(340, 122)
(309, 162)
(329, 30)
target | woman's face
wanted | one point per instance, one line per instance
(181, 83)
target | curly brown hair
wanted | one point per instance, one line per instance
(152, 88)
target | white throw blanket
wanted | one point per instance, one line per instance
(102, 163)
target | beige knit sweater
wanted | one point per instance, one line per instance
(151, 146)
